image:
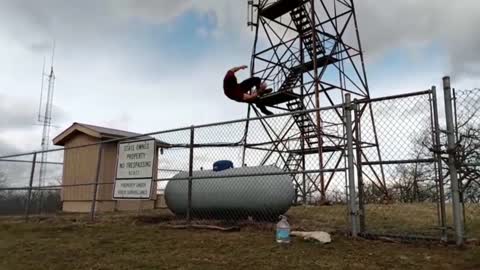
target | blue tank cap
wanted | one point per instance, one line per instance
(222, 165)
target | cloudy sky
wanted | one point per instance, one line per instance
(147, 65)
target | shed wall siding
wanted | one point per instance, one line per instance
(79, 168)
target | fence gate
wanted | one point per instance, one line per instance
(401, 184)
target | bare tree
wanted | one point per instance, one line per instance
(3, 179)
(413, 183)
(3, 184)
(467, 161)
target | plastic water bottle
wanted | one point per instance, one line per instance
(283, 231)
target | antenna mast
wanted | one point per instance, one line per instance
(46, 105)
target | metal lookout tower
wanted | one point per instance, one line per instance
(309, 52)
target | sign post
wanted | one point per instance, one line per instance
(136, 162)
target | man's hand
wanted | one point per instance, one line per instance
(235, 69)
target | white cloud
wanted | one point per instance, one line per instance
(384, 24)
(105, 78)
(16, 113)
(450, 25)
(7, 148)
(153, 11)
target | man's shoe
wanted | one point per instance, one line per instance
(264, 110)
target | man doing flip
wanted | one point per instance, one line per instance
(240, 92)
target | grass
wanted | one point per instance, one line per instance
(133, 241)
(472, 220)
(57, 245)
(412, 219)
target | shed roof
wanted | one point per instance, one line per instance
(97, 132)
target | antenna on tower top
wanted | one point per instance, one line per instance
(39, 118)
(53, 52)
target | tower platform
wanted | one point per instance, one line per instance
(277, 98)
(280, 8)
(314, 150)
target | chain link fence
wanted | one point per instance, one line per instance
(273, 171)
(21, 192)
(400, 194)
(382, 172)
(467, 135)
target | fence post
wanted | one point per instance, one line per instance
(353, 211)
(358, 143)
(190, 175)
(30, 185)
(438, 159)
(95, 188)
(451, 149)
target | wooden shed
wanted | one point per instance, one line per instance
(80, 167)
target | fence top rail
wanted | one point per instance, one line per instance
(463, 91)
(369, 100)
(142, 136)
(30, 161)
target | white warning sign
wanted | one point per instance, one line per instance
(133, 189)
(135, 168)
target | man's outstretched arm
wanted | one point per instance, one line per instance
(235, 69)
